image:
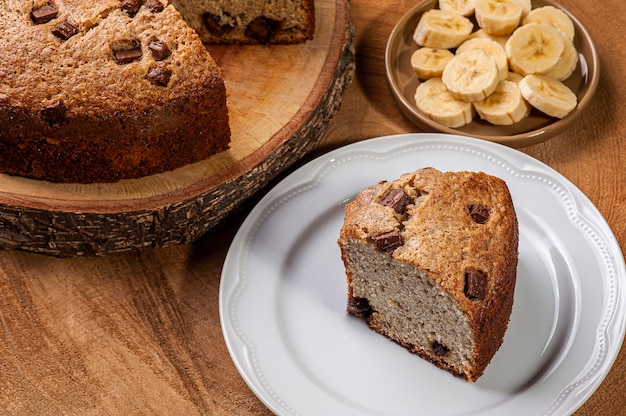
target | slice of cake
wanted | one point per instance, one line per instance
(250, 22)
(431, 262)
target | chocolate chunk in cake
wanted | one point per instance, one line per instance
(479, 213)
(439, 349)
(359, 307)
(43, 14)
(388, 241)
(262, 29)
(155, 6)
(158, 75)
(397, 199)
(131, 7)
(217, 25)
(126, 56)
(54, 114)
(64, 30)
(475, 284)
(159, 50)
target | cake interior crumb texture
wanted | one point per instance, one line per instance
(431, 263)
(250, 22)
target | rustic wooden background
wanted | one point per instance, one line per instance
(139, 333)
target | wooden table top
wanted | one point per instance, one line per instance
(140, 333)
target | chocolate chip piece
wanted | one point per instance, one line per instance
(159, 76)
(359, 307)
(215, 25)
(262, 29)
(64, 30)
(388, 241)
(397, 199)
(475, 284)
(54, 114)
(43, 14)
(159, 50)
(479, 213)
(439, 349)
(126, 56)
(131, 7)
(155, 6)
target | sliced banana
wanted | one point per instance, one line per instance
(442, 29)
(534, 48)
(515, 61)
(567, 62)
(435, 101)
(548, 95)
(526, 8)
(471, 76)
(462, 7)
(430, 62)
(505, 106)
(550, 15)
(514, 77)
(492, 48)
(480, 33)
(498, 17)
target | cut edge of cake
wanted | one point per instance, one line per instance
(244, 22)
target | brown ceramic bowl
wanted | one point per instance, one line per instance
(536, 128)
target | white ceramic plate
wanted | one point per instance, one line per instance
(283, 294)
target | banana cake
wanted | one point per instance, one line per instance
(98, 91)
(431, 263)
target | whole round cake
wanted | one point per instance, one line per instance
(431, 263)
(99, 91)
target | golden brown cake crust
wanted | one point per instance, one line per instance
(445, 236)
(72, 110)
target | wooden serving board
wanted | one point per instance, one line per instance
(281, 100)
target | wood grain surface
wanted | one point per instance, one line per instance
(139, 333)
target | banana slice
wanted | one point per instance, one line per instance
(430, 62)
(534, 48)
(435, 101)
(514, 77)
(548, 95)
(526, 8)
(567, 62)
(492, 48)
(441, 29)
(462, 7)
(471, 76)
(505, 106)
(550, 15)
(480, 33)
(498, 17)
